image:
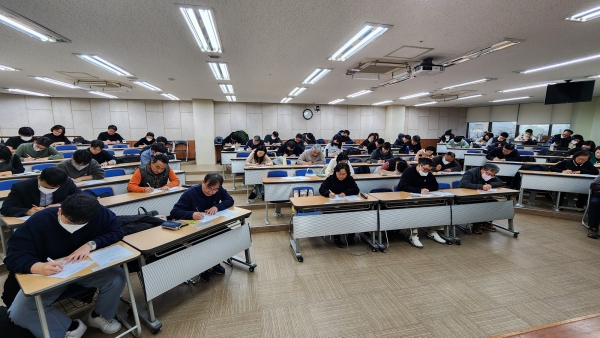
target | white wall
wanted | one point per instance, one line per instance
(432, 122)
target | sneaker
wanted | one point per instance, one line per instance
(476, 228)
(414, 240)
(593, 233)
(108, 326)
(436, 237)
(78, 332)
(206, 276)
(218, 269)
(488, 226)
(278, 214)
(338, 241)
(252, 195)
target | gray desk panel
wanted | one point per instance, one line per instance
(405, 218)
(482, 212)
(573, 184)
(162, 203)
(334, 224)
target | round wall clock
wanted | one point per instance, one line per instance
(307, 113)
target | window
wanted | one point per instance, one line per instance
(476, 129)
(509, 127)
(558, 128)
(539, 130)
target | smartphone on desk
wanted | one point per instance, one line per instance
(363, 195)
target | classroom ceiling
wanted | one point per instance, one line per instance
(270, 46)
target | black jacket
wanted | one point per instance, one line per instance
(61, 138)
(102, 156)
(14, 165)
(104, 136)
(143, 142)
(283, 150)
(453, 166)
(569, 164)
(411, 181)
(15, 141)
(497, 152)
(561, 143)
(347, 186)
(235, 139)
(377, 155)
(443, 138)
(25, 194)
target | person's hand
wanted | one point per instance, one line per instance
(33, 210)
(29, 159)
(554, 144)
(47, 268)
(164, 188)
(148, 189)
(438, 167)
(396, 172)
(77, 180)
(42, 159)
(267, 143)
(52, 205)
(380, 161)
(211, 211)
(448, 170)
(331, 195)
(411, 153)
(424, 191)
(80, 254)
(197, 215)
(576, 172)
(567, 171)
(342, 194)
(5, 173)
(487, 187)
(103, 164)
(285, 155)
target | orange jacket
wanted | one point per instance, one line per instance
(136, 179)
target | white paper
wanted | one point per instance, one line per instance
(24, 218)
(441, 193)
(208, 218)
(421, 195)
(353, 198)
(71, 269)
(227, 213)
(90, 182)
(174, 188)
(337, 198)
(155, 191)
(107, 256)
(25, 173)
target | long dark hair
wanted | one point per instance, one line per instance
(339, 139)
(256, 157)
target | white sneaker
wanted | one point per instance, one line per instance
(78, 332)
(414, 240)
(108, 326)
(434, 235)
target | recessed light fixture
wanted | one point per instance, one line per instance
(147, 86)
(103, 94)
(594, 77)
(231, 97)
(56, 82)
(366, 35)
(27, 26)
(297, 91)
(512, 99)
(362, 92)
(414, 95)
(9, 69)
(336, 101)
(507, 42)
(286, 100)
(468, 97)
(523, 88)
(316, 75)
(382, 102)
(226, 88)
(26, 92)
(100, 62)
(585, 16)
(170, 96)
(566, 63)
(219, 70)
(468, 83)
(202, 24)
(425, 104)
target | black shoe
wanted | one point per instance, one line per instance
(252, 196)
(338, 241)
(206, 276)
(593, 233)
(350, 240)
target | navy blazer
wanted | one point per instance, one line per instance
(26, 193)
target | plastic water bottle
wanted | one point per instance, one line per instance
(552, 147)
(407, 150)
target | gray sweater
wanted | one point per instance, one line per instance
(93, 169)
(307, 156)
(472, 180)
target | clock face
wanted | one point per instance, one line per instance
(307, 113)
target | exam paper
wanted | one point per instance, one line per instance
(485, 192)
(226, 213)
(441, 193)
(24, 218)
(155, 191)
(90, 182)
(109, 255)
(421, 195)
(25, 173)
(352, 198)
(71, 269)
(336, 198)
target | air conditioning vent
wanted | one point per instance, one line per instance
(104, 85)
(371, 70)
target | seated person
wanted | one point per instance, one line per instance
(498, 141)
(299, 142)
(447, 137)
(341, 184)
(9, 163)
(341, 158)
(206, 198)
(82, 167)
(309, 138)
(145, 141)
(446, 163)
(254, 143)
(273, 139)
(395, 166)
(161, 140)
(44, 238)
(155, 175)
(576, 141)
(39, 150)
(562, 140)
(35, 194)
(425, 153)
(155, 149)
(334, 147)
(579, 164)
(419, 180)
(594, 209)
(370, 139)
(458, 142)
(345, 134)
(25, 136)
(415, 144)
(595, 157)
(375, 145)
(290, 148)
(400, 141)
(585, 145)
(57, 136)
(258, 158)
(100, 155)
(527, 137)
(483, 140)
(481, 178)
(506, 153)
(381, 155)
(312, 156)
(110, 136)
(232, 140)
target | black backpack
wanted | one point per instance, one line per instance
(10, 329)
(354, 151)
(128, 158)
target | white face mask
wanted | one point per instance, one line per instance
(486, 177)
(46, 191)
(26, 138)
(422, 173)
(573, 142)
(148, 139)
(444, 161)
(70, 227)
(79, 167)
(35, 148)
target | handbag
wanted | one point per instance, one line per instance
(146, 212)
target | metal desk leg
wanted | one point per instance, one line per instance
(247, 194)
(586, 210)
(3, 241)
(510, 227)
(266, 212)
(520, 202)
(556, 208)
(531, 200)
(295, 244)
(137, 327)
(224, 166)
(375, 246)
(233, 176)
(147, 316)
(42, 315)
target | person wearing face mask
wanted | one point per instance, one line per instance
(145, 141)
(498, 141)
(585, 145)
(82, 167)
(25, 136)
(57, 135)
(527, 137)
(481, 178)
(576, 142)
(595, 157)
(381, 154)
(419, 180)
(73, 230)
(506, 153)
(458, 142)
(35, 194)
(446, 137)
(562, 140)
(155, 175)
(9, 163)
(39, 150)
(446, 163)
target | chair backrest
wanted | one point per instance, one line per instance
(102, 190)
(539, 148)
(6, 184)
(395, 188)
(321, 141)
(277, 173)
(455, 184)
(120, 146)
(111, 152)
(381, 190)
(327, 161)
(302, 192)
(114, 172)
(473, 151)
(69, 154)
(444, 185)
(303, 172)
(355, 170)
(308, 147)
(354, 160)
(131, 152)
(42, 166)
(271, 154)
(66, 147)
(411, 158)
(242, 154)
(176, 142)
(105, 146)
(288, 162)
(526, 153)
(520, 147)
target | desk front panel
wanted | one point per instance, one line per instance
(474, 160)
(255, 176)
(335, 223)
(227, 156)
(482, 212)
(414, 217)
(163, 203)
(557, 182)
(441, 148)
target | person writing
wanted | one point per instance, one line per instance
(258, 158)
(57, 136)
(341, 158)
(335, 146)
(446, 137)
(381, 154)
(10, 163)
(425, 153)
(505, 153)
(395, 166)
(81, 167)
(458, 142)
(39, 150)
(312, 156)
(145, 141)
(100, 155)
(481, 178)
(25, 136)
(446, 163)
(273, 139)
(579, 164)
(155, 175)
(290, 148)
(110, 136)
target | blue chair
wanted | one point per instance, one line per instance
(303, 172)
(131, 152)
(321, 141)
(69, 154)
(42, 166)
(354, 160)
(101, 190)
(381, 190)
(288, 162)
(114, 172)
(105, 146)
(66, 147)
(355, 170)
(111, 152)
(473, 151)
(395, 188)
(308, 147)
(6, 184)
(539, 148)
(277, 173)
(526, 153)
(444, 186)
(455, 184)
(327, 161)
(520, 148)
(271, 154)
(115, 146)
(242, 154)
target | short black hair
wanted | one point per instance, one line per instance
(529, 131)
(582, 153)
(489, 135)
(590, 143)
(509, 146)
(44, 141)
(298, 135)
(448, 132)
(380, 141)
(162, 157)
(504, 134)
(161, 139)
(341, 166)
(82, 157)
(57, 127)
(113, 127)
(310, 136)
(54, 176)
(416, 138)
(430, 148)
(97, 144)
(451, 154)
(276, 134)
(346, 131)
(406, 136)
(80, 208)
(157, 147)
(5, 153)
(386, 146)
(291, 144)
(458, 138)
(213, 178)
(577, 137)
(26, 131)
(150, 134)
(425, 161)
(569, 130)
(342, 156)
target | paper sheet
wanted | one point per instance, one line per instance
(295, 178)
(25, 173)
(336, 198)
(421, 195)
(71, 269)
(24, 218)
(227, 213)
(353, 198)
(155, 191)
(90, 182)
(441, 193)
(485, 192)
(107, 256)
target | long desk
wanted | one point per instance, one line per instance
(186, 253)
(459, 152)
(129, 167)
(255, 174)
(551, 181)
(22, 176)
(36, 286)
(510, 168)
(477, 160)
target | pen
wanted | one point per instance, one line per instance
(50, 259)
(148, 185)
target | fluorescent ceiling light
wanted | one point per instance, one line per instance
(366, 35)
(56, 82)
(523, 88)
(425, 104)
(9, 69)
(561, 64)
(231, 97)
(29, 27)
(202, 24)
(336, 101)
(100, 62)
(226, 88)
(147, 86)
(26, 92)
(588, 15)
(468, 83)
(170, 96)
(414, 95)
(512, 99)
(382, 102)
(297, 91)
(219, 70)
(594, 77)
(286, 100)
(397, 79)
(362, 92)
(507, 42)
(468, 97)
(102, 94)
(316, 76)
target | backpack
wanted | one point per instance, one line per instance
(127, 158)
(354, 151)
(136, 223)
(10, 329)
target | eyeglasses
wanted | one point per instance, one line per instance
(212, 190)
(489, 173)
